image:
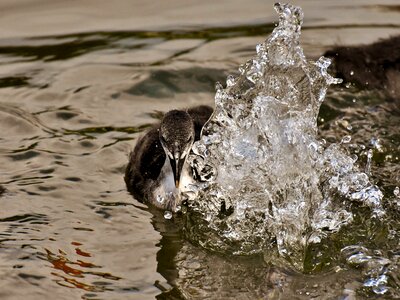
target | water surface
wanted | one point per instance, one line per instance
(80, 81)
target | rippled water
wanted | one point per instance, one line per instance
(80, 81)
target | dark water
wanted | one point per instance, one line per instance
(80, 81)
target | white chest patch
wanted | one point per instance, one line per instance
(166, 185)
(166, 192)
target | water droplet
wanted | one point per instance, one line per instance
(376, 143)
(167, 215)
(345, 124)
(160, 199)
(351, 73)
(218, 86)
(346, 139)
(230, 81)
(369, 159)
(260, 49)
(396, 191)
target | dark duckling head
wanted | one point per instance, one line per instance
(177, 135)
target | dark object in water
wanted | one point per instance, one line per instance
(375, 66)
(157, 163)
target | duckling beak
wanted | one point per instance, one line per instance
(177, 164)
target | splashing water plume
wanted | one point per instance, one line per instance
(263, 176)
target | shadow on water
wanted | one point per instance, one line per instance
(73, 45)
(64, 47)
(193, 272)
(167, 83)
(170, 245)
(14, 81)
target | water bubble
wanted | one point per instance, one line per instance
(351, 72)
(167, 215)
(378, 284)
(358, 259)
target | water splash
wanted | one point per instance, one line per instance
(265, 180)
